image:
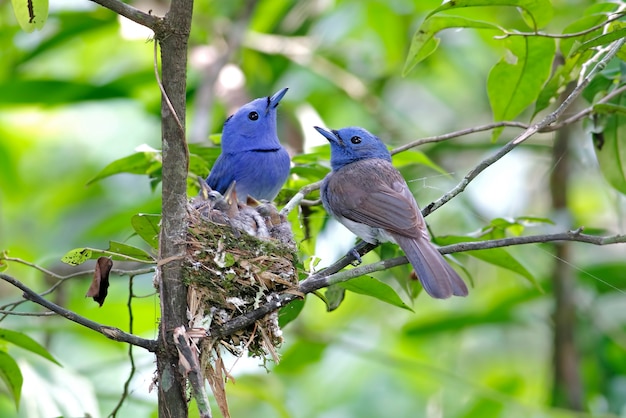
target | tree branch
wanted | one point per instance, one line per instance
(17, 313)
(332, 274)
(303, 192)
(298, 197)
(530, 131)
(110, 332)
(173, 44)
(129, 12)
(189, 362)
(462, 132)
(563, 35)
(131, 358)
(61, 279)
(552, 117)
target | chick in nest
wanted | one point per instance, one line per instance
(259, 219)
(277, 224)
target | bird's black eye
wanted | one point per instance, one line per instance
(253, 116)
(355, 139)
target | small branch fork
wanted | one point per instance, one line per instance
(316, 281)
(548, 124)
(333, 273)
(129, 12)
(112, 333)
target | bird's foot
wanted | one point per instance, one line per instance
(357, 257)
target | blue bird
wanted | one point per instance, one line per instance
(370, 197)
(251, 153)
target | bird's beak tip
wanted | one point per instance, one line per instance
(329, 135)
(277, 97)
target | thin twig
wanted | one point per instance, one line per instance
(530, 131)
(514, 124)
(462, 132)
(131, 358)
(552, 117)
(189, 362)
(61, 279)
(110, 332)
(332, 274)
(89, 272)
(16, 313)
(586, 112)
(298, 197)
(163, 93)
(563, 35)
(129, 12)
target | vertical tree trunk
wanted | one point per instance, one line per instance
(172, 384)
(567, 389)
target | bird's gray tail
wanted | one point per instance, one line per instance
(433, 271)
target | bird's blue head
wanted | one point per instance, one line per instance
(352, 144)
(253, 126)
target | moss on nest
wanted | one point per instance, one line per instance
(230, 273)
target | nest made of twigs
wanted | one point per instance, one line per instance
(229, 273)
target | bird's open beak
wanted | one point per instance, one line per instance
(275, 99)
(329, 135)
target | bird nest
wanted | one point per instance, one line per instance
(238, 258)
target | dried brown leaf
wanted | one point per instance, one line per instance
(99, 287)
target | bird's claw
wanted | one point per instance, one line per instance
(357, 257)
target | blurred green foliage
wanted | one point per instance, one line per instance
(79, 160)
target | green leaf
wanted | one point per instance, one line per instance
(201, 158)
(24, 341)
(502, 313)
(417, 157)
(30, 14)
(496, 256)
(539, 12)
(128, 252)
(605, 278)
(367, 285)
(147, 227)
(198, 166)
(609, 108)
(570, 69)
(11, 376)
(311, 172)
(534, 220)
(57, 92)
(77, 256)
(561, 77)
(116, 250)
(333, 296)
(302, 353)
(610, 146)
(580, 25)
(516, 80)
(145, 162)
(290, 312)
(490, 407)
(604, 39)
(425, 43)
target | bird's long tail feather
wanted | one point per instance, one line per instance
(434, 273)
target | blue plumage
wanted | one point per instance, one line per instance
(369, 196)
(251, 152)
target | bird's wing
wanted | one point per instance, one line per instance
(220, 176)
(374, 193)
